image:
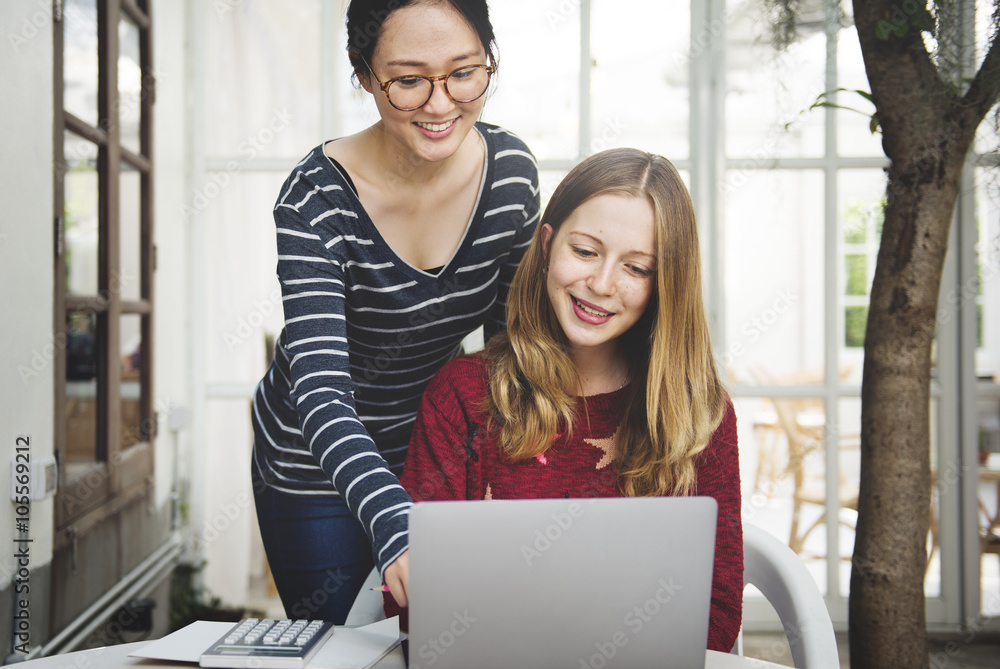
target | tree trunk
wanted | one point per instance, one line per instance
(927, 130)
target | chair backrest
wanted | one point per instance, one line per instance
(775, 570)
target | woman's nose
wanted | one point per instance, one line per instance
(602, 281)
(440, 100)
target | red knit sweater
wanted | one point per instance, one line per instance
(451, 457)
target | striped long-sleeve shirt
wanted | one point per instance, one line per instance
(365, 331)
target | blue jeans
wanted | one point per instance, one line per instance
(317, 550)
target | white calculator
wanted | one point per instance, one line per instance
(268, 644)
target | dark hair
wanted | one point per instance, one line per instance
(366, 17)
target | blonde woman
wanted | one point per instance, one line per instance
(604, 383)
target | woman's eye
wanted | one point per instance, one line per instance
(460, 75)
(583, 253)
(641, 271)
(409, 82)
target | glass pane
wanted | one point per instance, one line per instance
(83, 345)
(987, 297)
(856, 268)
(129, 281)
(548, 181)
(987, 283)
(653, 63)
(849, 479)
(129, 84)
(854, 135)
(80, 59)
(944, 475)
(536, 91)
(774, 324)
(265, 75)
(132, 368)
(988, 135)
(769, 92)
(81, 215)
(859, 211)
(782, 465)
(855, 322)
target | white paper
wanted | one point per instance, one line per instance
(347, 648)
(357, 647)
(186, 644)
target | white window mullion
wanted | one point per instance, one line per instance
(586, 59)
(831, 344)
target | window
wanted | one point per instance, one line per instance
(861, 231)
(103, 285)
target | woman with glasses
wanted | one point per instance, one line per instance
(393, 245)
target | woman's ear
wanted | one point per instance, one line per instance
(361, 72)
(546, 233)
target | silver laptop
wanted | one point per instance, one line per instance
(575, 583)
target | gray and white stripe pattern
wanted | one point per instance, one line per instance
(365, 332)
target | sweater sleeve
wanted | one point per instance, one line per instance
(312, 285)
(719, 477)
(441, 462)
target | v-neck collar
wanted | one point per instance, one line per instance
(468, 236)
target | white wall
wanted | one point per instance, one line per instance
(172, 380)
(26, 260)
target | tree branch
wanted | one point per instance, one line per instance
(899, 69)
(985, 88)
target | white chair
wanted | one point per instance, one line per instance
(783, 579)
(768, 564)
(367, 608)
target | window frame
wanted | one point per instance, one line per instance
(91, 492)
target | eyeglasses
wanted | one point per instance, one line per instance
(413, 91)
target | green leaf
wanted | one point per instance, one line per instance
(873, 124)
(865, 94)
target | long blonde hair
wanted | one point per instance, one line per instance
(677, 399)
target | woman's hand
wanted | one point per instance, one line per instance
(397, 578)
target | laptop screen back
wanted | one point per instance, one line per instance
(578, 583)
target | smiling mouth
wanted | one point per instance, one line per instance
(436, 127)
(591, 310)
